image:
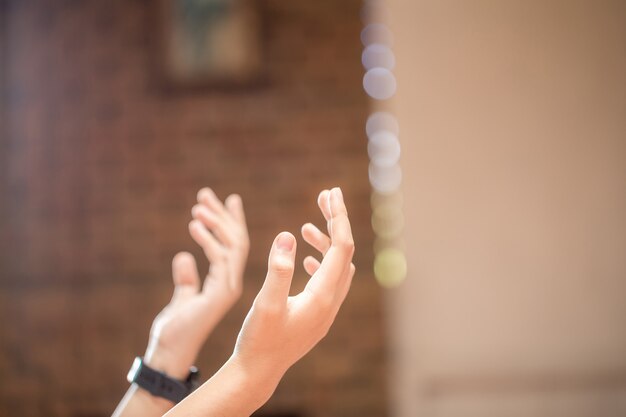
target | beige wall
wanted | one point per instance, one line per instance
(513, 127)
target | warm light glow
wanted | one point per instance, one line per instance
(378, 199)
(390, 267)
(388, 221)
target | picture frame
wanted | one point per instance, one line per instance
(208, 43)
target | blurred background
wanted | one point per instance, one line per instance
(491, 249)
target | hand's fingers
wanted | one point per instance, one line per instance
(185, 276)
(207, 197)
(326, 280)
(311, 265)
(322, 202)
(222, 229)
(240, 231)
(275, 289)
(184, 270)
(314, 237)
(213, 250)
(340, 230)
(235, 206)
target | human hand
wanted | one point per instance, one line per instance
(180, 329)
(280, 329)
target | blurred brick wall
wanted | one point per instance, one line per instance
(100, 166)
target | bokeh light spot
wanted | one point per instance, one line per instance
(385, 180)
(390, 267)
(384, 149)
(379, 83)
(381, 121)
(388, 221)
(376, 33)
(378, 55)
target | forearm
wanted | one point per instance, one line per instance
(231, 392)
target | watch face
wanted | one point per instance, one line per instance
(134, 370)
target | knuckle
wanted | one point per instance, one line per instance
(346, 244)
(282, 266)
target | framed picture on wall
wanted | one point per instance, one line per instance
(210, 42)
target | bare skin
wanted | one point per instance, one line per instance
(196, 307)
(279, 328)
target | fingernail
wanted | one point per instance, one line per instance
(285, 242)
(194, 211)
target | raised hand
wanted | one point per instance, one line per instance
(180, 329)
(280, 329)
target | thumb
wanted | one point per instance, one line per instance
(281, 264)
(185, 275)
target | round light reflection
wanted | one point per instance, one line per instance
(388, 221)
(384, 149)
(377, 199)
(379, 83)
(378, 55)
(376, 33)
(390, 267)
(381, 121)
(385, 180)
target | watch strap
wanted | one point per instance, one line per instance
(160, 384)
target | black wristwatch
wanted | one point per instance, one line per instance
(160, 384)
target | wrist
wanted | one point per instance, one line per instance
(150, 401)
(235, 390)
(169, 368)
(255, 375)
(165, 361)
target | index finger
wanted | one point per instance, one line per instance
(234, 205)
